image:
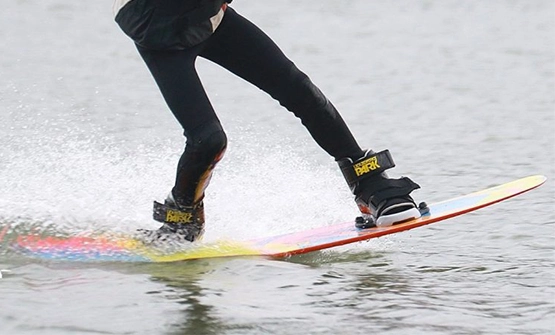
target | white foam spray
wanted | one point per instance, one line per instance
(96, 183)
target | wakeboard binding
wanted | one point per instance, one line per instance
(382, 201)
(179, 223)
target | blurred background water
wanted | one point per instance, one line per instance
(461, 92)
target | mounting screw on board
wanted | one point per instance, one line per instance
(423, 208)
(365, 222)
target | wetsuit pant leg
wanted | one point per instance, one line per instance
(174, 72)
(242, 48)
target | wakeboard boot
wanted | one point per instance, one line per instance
(182, 213)
(179, 222)
(381, 200)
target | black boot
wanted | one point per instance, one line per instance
(182, 214)
(180, 223)
(381, 200)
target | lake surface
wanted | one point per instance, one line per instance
(461, 92)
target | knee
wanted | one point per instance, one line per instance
(299, 94)
(215, 144)
(208, 144)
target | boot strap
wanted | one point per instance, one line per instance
(366, 167)
(384, 189)
(167, 214)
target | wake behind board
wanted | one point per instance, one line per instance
(127, 249)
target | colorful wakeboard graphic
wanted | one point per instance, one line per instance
(127, 249)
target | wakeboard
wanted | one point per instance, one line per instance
(117, 248)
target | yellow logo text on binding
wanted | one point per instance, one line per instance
(367, 165)
(178, 217)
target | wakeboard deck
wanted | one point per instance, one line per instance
(117, 248)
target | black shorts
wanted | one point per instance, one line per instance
(168, 24)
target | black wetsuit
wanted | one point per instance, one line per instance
(240, 47)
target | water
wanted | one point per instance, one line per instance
(460, 92)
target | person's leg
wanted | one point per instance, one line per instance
(174, 72)
(242, 48)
